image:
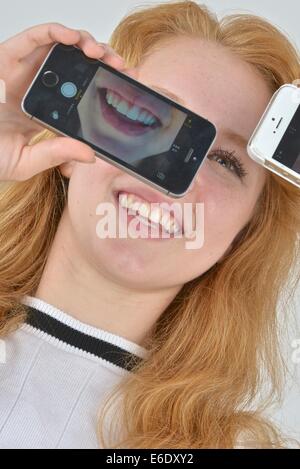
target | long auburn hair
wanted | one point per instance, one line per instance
(218, 342)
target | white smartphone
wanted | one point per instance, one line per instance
(275, 142)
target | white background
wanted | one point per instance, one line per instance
(100, 17)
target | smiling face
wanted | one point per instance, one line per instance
(214, 83)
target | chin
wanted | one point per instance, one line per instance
(126, 258)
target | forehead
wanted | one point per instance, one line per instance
(212, 81)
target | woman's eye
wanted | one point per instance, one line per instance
(230, 162)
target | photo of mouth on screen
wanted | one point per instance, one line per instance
(126, 122)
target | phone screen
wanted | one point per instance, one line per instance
(288, 150)
(121, 118)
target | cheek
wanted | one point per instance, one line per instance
(221, 218)
(89, 185)
(227, 206)
(88, 181)
(226, 211)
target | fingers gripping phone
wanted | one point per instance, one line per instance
(275, 142)
(127, 123)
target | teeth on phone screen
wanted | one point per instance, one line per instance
(134, 113)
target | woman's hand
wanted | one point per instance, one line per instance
(20, 58)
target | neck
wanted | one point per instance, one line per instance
(75, 285)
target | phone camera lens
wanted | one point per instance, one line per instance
(50, 79)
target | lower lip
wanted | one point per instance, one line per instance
(120, 122)
(149, 233)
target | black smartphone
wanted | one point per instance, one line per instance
(127, 123)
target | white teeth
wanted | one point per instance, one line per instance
(122, 107)
(141, 115)
(143, 220)
(115, 100)
(144, 210)
(132, 112)
(166, 221)
(135, 206)
(156, 215)
(123, 200)
(126, 200)
(109, 97)
(175, 227)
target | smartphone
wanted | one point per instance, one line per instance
(275, 142)
(128, 124)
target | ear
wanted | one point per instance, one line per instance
(66, 169)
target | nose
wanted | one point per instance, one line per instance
(190, 189)
(196, 181)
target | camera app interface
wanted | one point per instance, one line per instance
(288, 150)
(85, 99)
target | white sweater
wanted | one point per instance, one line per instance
(54, 373)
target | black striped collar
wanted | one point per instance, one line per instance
(55, 323)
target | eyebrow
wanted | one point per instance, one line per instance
(228, 133)
(235, 137)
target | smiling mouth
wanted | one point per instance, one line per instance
(124, 117)
(162, 223)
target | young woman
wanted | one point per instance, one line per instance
(142, 341)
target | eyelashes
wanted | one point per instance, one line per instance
(233, 163)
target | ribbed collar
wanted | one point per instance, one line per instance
(62, 326)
